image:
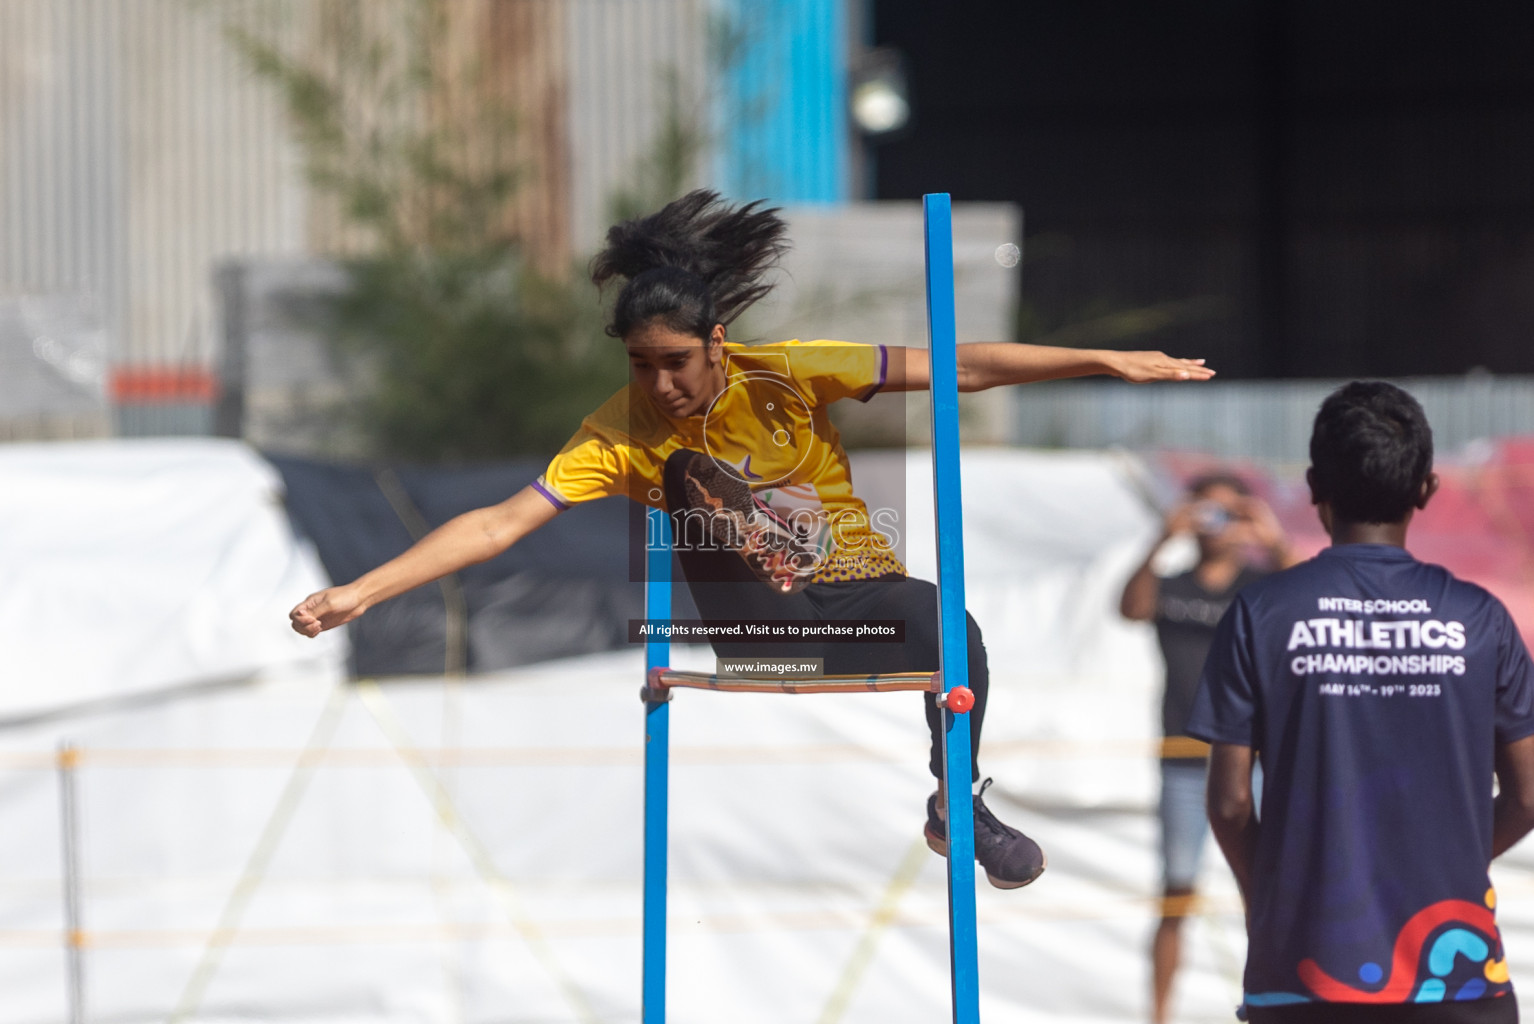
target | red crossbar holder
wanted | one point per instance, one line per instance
(655, 690)
(958, 700)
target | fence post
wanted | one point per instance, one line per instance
(74, 936)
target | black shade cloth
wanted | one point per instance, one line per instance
(563, 591)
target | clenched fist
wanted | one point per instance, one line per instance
(326, 609)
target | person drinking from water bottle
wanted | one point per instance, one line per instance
(1239, 541)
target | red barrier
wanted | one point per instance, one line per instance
(154, 385)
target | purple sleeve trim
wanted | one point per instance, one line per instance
(884, 366)
(554, 499)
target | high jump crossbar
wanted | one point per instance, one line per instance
(950, 683)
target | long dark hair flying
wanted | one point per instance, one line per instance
(697, 262)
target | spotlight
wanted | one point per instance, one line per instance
(880, 101)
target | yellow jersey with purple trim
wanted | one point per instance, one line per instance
(769, 426)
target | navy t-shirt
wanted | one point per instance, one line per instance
(1375, 689)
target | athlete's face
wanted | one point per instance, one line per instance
(680, 372)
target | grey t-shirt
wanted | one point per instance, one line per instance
(1186, 614)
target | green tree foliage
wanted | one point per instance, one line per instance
(471, 352)
(474, 355)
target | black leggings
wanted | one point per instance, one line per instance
(723, 586)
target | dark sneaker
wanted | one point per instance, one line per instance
(1011, 860)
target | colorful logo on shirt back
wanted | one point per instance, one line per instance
(1462, 961)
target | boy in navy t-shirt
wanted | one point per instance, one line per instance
(1382, 695)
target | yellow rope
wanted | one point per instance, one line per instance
(260, 857)
(868, 944)
(934, 916)
(479, 855)
(510, 757)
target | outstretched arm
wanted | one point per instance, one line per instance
(989, 364)
(460, 542)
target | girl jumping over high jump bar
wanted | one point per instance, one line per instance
(735, 443)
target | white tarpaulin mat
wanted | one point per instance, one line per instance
(133, 567)
(471, 851)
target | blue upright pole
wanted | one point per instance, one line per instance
(943, 351)
(657, 754)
